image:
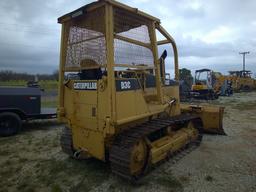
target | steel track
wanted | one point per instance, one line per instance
(120, 151)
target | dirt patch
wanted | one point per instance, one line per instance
(33, 160)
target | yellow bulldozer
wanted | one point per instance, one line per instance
(242, 80)
(114, 98)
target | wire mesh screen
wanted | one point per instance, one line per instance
(139, 33)
(134, 27)
(86, 46)
(128, 53)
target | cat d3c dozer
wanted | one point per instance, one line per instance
(114, 97)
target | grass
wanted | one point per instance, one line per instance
(88, 174)
(8, 162)
(29, 141)
(13, 83)
(22, 160)
(3, 189)
(209, 178)
(4, 152)
(244, 106)
(44, 84)
(25, 185)
(50, 104)
(8, 170)
(169, 181)
(184, 179)
(22, 186)
(56, 188)
(49, 84)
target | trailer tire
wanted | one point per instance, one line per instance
(10, 124)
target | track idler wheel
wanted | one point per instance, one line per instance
(138, 158)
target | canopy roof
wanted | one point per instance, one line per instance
(202, 70)
(95, 5)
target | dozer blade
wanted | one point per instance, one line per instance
(212, 116)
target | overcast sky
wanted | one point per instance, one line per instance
(209, 34)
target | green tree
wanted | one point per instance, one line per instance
(186, 76)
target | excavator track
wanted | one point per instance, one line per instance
(120, 152)
(66, 141)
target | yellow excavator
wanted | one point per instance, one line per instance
(203, 85)
(114, 98)
(210, 85)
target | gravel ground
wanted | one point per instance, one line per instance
(225, 163)
(33, 160)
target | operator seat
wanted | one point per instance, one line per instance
(91, 70)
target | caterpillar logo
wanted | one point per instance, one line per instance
(85, 86)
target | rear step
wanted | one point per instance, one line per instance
(66, 141)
